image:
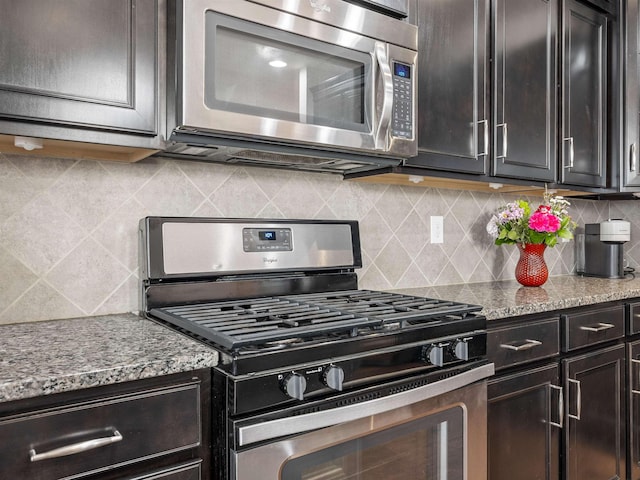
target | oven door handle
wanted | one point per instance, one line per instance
(311, 421)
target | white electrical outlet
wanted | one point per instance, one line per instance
(437, 229)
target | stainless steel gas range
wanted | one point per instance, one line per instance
(319, 379)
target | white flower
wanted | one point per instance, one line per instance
(492, 226)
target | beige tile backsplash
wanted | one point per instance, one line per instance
(68, 228)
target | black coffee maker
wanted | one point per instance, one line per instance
(600, 249)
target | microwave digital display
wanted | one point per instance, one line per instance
(401, 70)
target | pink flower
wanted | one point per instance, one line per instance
(544, 222)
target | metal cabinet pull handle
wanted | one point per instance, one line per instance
(599, 327)
(560, 423)
(485, 137)
(75, 448)
(524, 346)
(633, 158)
(634, 362)
(578, 399)
(505, 142)
(571, 152)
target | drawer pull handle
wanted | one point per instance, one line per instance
(597, 328)
(75, 448)
(524, 346)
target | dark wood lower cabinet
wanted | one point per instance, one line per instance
(157, 428)
(524, 415)
(633, 400)
(567, 413)
(594, 434)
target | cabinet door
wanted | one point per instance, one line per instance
(524, 422)
(525, 89)
(81, 63)
(630, 168)
(633, 396)
(595, 408)
(584, 87)
(453, 127)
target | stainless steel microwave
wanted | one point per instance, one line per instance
(310, 84)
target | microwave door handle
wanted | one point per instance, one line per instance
(387, 102)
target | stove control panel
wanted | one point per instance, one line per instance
(306, 382)
(266, 240)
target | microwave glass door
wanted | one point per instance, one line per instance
(429, 448)
(272, 74)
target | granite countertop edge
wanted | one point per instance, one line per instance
(89, 352)
(503, 299)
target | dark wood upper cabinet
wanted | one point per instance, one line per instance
(630, 169)
(584, 93)
(525, 95)
(453, 108)
(89, 65)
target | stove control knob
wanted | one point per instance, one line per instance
(461, 348)
(294, 385)
(434, 354)
(333, 376)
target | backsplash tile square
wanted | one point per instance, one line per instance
(68, 228)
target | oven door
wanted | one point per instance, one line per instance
(249, 70)
(432, 432)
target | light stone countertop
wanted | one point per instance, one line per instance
(43, 358)
(510, 299)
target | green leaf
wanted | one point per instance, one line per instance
(565, 234)
(513, 235)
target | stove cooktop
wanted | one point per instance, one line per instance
(267, 321)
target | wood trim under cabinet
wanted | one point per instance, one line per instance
(79, 150)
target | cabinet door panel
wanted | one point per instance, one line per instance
(523, 425)
(452, 105)
(584, 96)
(525, 39)
(630, 158)
(633, 396)
(595, 409)
(81, 63)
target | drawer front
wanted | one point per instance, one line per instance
(518, 344)
(592, 327)
(634, 318)
(74, 441)
(191, 471)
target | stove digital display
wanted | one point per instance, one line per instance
(267, 235)
(262, 240)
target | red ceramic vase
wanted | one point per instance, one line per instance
(531, 269)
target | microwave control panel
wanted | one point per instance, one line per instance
(402, 121)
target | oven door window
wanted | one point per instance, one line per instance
(430, 448)
(272, 74)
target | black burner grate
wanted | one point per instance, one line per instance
(257, 321)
